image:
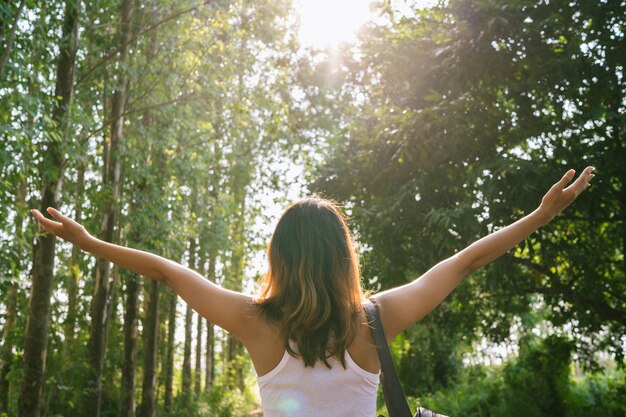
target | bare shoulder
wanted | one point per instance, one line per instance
(262, 340)
(363, 350)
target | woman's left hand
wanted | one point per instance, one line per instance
(559, 197)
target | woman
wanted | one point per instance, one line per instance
(307, 334)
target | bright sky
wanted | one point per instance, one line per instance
(327, 23)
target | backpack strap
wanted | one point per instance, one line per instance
(394, 395)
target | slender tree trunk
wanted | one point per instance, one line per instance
(210, 342)
(162, 341)
(214, 186)
(6, 355)
(36, 334)
(198, 371)
(186, 376)
(6, 361)
(129, 365)
(112, 180)
(169, 361)
(151, 322)
(186, 385)
(235, 348)
(210, 357)
(240, 178)
(4, 57)
(151, 329)
(199, 326)
(74, 275)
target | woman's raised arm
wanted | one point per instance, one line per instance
(228, 309)
(402, 306)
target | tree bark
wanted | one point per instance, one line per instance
(36, 334)
(6, 361)
(169, 361)
(4, 57)
(151, 332)
(129, 365)
(234, 282)
(199, 326)
(198, 371)
(210, 342)
(6, 356)
(100, 308)
(214, 186)
(74, 275)
(186, 376)
(186, 385)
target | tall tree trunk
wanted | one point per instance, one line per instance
(151, 321)
(186, 383)
(6, 355)
(199, 326)
(210, 342)
(129, 365)
(36, 334)
(4, 57)
(214, 185)
(162, 340)
(198, 372)
(235, 348)
(240, 178)
(151, 332)
(210, 357)
(6, 358)
(112, 181)
(169, 361)
(74, 275)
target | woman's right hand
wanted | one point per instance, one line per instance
(65, 228)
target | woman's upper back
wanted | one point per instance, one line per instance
(295, 390)
(267, 347)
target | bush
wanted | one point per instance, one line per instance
(536, 384)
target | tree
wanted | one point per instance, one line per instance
(464, 113)
(151, 166)
(100, 309)
(10, 36)
(169, 355)
(148, 392)
(36, 334)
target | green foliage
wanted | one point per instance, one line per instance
(466, 113)
(207, 109)
(440, 125)
(537, 383)
(224, 401)
(601, 393)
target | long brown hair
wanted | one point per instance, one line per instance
(313, 288)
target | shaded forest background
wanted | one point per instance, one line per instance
(173, 126)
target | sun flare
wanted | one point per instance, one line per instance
(327, 23)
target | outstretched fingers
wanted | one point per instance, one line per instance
(566, 179)
(57, 215)
(47, 224)
(582, 182)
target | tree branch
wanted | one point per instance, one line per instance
(150, 107)
(7, 50)
(111, 54)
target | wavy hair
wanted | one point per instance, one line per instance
(313, 288)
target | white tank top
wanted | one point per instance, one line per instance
(293, 390)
